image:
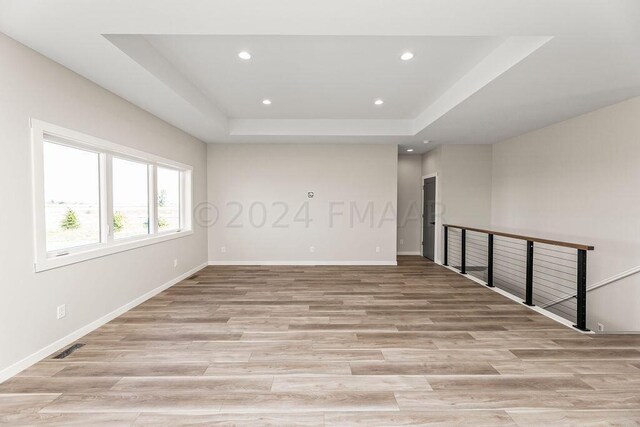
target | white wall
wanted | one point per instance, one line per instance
(346, 175)
(34, 86)
(463, 186)
(466, 184)
(409, 204)
(431, 161)
(579, 181)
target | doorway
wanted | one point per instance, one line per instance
(429, 218)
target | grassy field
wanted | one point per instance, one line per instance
(135, 220)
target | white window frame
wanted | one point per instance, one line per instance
(44, 260)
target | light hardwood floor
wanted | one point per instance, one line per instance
(414, 344)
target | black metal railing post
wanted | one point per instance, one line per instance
(446, 245)
(463, 252)
(490, 261)
(529, 291)
(581, 292)
(547, 296)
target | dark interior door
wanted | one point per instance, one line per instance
(429, 218)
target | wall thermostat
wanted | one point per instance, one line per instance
(310, 194)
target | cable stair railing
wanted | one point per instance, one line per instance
(546, 273)
(597, 285)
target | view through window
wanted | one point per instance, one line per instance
(72, 196)
(130, 198)
(168, 199)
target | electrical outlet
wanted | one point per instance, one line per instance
(312, 248)
(600, 327)
(223, 249)
(61, 311)
(402, 241)
(378, 249)
(175, 263)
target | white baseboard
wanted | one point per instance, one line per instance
(410, 253)
(303, 263)
(23, 364)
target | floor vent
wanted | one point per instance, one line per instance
(68, 351)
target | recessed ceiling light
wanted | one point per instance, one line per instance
(426, 141)
(406, 56)
(410, 150)
(378, 102)
(266, 101)
(244, 55)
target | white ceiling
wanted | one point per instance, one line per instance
(322, 77)
(483, 71)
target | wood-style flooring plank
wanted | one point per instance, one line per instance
(477, 399)
(417, 368)
(279, 367)
(134, 402)
(66, 420)
(575, 418)
(489, 418)
(308, 419)
(508, 382)
(57, 384)
(359, 383)
(131, 369)
(310, 401)
(209, 384)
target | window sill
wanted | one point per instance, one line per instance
(73, 258)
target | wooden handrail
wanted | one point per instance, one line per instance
(531, 239)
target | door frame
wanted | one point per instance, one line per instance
(438, 226)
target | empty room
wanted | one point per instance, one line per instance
(336, 212)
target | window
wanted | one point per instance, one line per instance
(168, 199)
(94, 198)
(72, 197)
(130, 198)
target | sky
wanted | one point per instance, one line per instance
(72, 176)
